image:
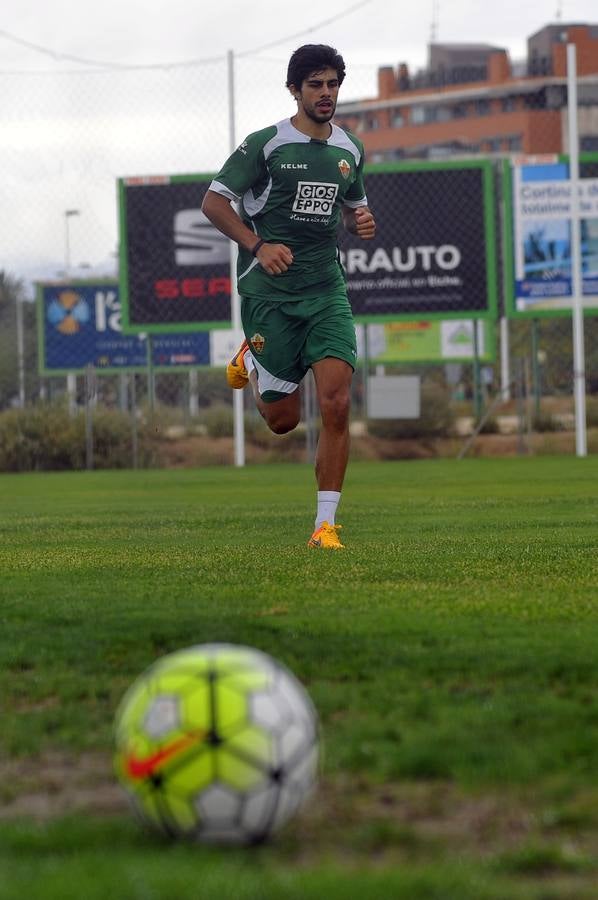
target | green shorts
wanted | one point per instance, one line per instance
(287, 336)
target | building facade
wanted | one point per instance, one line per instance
(472, 100)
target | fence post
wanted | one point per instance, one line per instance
(90, 400)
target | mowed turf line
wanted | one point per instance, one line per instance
(451, 651)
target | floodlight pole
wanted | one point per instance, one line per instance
(68, 213)
(235, 304)
(579, 374)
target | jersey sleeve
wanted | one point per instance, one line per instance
(243, 169)
(356, 195)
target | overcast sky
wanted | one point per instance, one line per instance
(154, 31)
(74, 118)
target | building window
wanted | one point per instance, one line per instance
(514, 143)
(588, 143)
(418, 115)
(482, 107)
(372, 123)
(536, 101)
(398, 119)
(459, 111)
(508, 104)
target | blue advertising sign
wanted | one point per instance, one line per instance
(80, 325)
(542, 212)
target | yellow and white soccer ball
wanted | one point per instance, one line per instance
(217, 743)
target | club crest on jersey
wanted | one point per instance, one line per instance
(257, 342)
(344, 167)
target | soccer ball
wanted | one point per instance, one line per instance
(217, 743)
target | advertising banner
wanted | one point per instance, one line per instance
(434, 250)
(174, 264)
(427, 340)
(541, 237)
(80, 325)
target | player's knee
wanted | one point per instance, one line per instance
(335, 407)
(280, 421)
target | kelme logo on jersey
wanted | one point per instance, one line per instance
(315, 197)
(344, 167)
(257, 342)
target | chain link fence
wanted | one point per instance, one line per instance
(430, 295)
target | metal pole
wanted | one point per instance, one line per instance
(151, 381)
(123, 391)
(67, 240)
(579, 373)
(505, 361)
(90, 400)
(134, 432)
(71, 392)
(535, 368)
(366, 373)
(235, 303)
(193, 393)
(20, 352)
(477, 400)
(505, 364)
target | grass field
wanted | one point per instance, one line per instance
(451, 650)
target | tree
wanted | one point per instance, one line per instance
(12, 292)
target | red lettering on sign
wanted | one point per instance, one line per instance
(167, 289)
(191, 288)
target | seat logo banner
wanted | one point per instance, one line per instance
(174, 265)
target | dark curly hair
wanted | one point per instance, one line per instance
(313, 58)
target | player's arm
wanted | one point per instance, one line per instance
(360, 221)
(273, 258)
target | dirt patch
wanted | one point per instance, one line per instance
(56, 784)
(200, 450)
(405, 817)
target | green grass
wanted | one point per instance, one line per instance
(451, 651)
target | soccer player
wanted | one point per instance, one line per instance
(294, 181)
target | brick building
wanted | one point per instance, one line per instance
(472, 100)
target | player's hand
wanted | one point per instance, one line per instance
(274, 258)
(365, 224)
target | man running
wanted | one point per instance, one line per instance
(294, 181)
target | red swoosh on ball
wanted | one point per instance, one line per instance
(145, 766)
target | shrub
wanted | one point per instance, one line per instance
(545, 422)
(219, 421)
(592, 412)
(45, 438)
(490, 426)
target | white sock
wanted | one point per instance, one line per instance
(327, 504)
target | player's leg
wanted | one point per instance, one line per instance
(281, 415)
(333, 389)
(268, 360)
(331, 352)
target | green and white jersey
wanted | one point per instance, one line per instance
(291, 189)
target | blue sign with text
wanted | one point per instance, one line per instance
(82, 327)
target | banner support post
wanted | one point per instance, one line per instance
(235, 303)
(579, 374)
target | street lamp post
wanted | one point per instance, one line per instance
(68, 213)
